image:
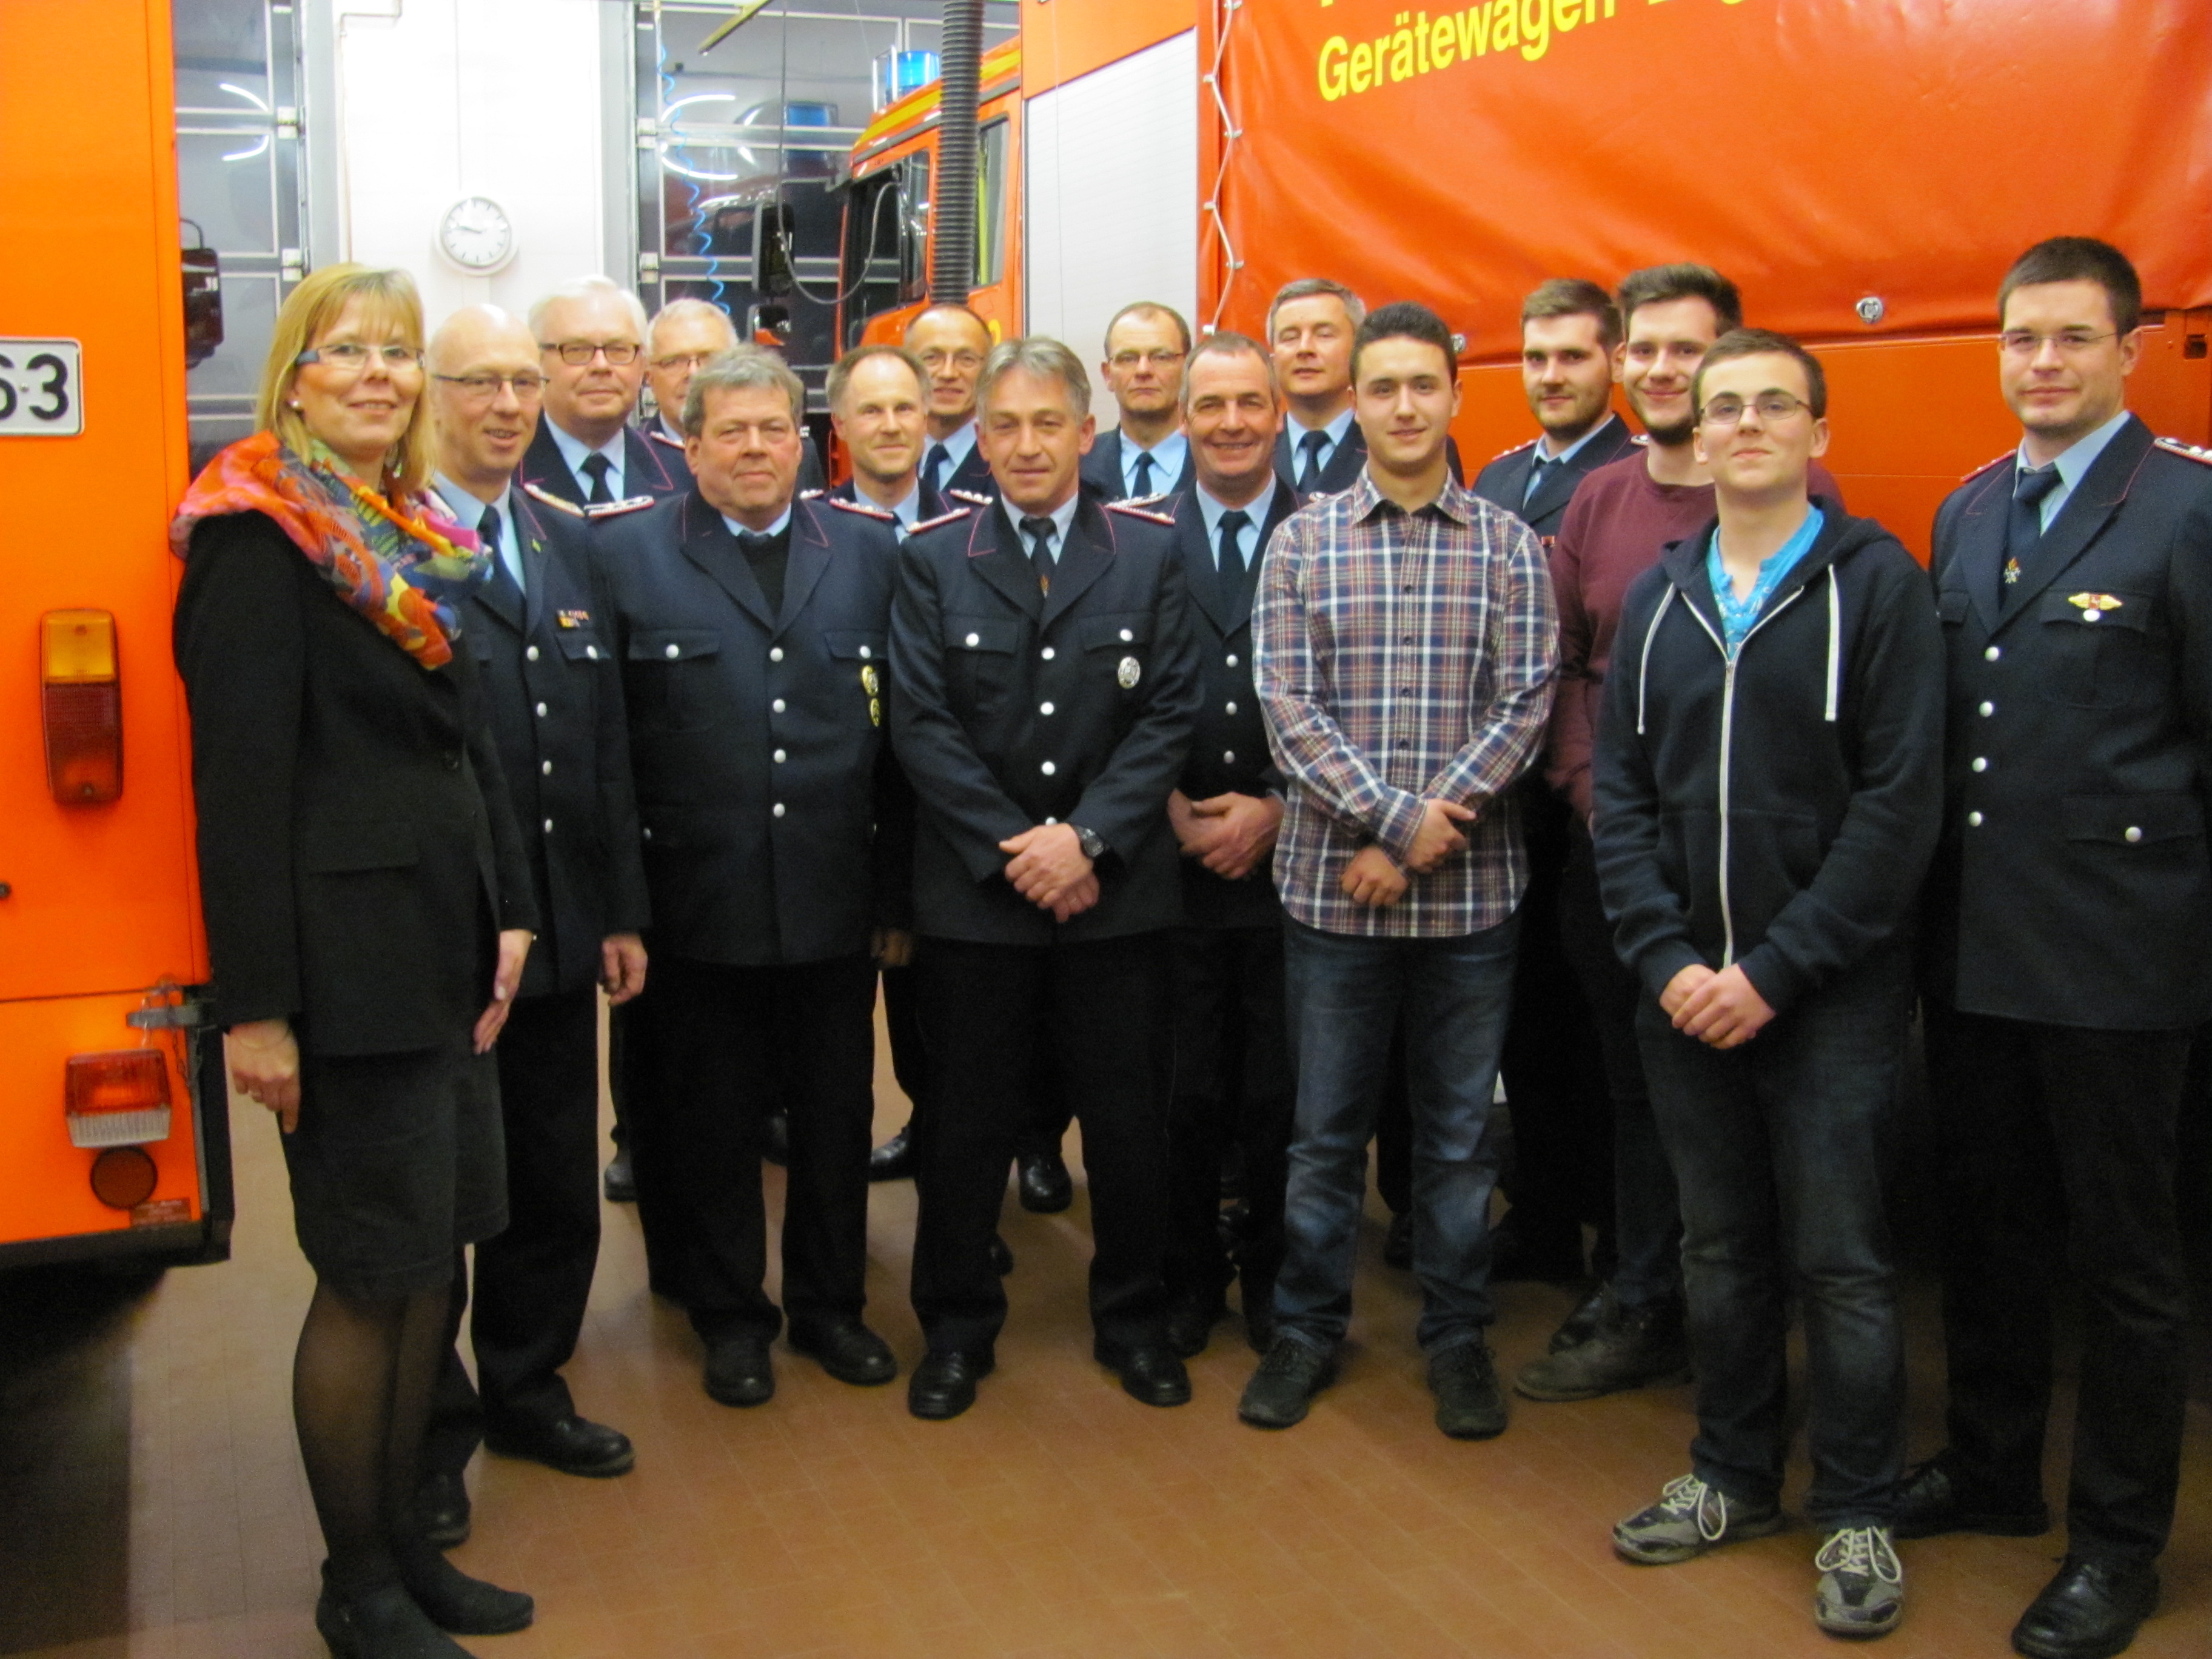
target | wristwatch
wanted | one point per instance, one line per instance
(1093, 843)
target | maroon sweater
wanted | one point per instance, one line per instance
(1614, 529)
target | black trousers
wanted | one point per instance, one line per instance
(729, 1046)
(1100, 1012)
(2058, 1145)
(534, 1279)
(1233, 1086)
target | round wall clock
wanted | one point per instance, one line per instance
(476, 235)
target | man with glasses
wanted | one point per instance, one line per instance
(2066, 968)
(951, 342)
(541, 634)
(590, 339)
(1146, 454)
(1787, 666)
(684, 334)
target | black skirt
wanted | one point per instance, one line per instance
(399, 1161)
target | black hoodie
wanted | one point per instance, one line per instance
(1779, 813)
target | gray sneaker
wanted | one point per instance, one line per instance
(1689, 1518)
(1633, 1348)
(1469, 1406)
(1861, 1589)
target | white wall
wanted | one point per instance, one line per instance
(1112, 188)
(441, 99)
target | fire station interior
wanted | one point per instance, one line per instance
(153, 1504)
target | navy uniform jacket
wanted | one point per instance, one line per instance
(1342, 468)
(930, 507)
(972, 478)
(2073, 884)
(554, 688)
(1102, 475)
(1505, 482)
(651, 469)
(1228, 752)
(1015, 707)
(774, 824)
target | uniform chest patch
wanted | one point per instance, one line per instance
(1129, 673)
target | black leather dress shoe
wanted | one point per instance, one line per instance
(454, 1601)
(1153, 1375)
(1398, 1242)
(775, 1139)
(893, 1159)
(441, 1508)
(1044, 1184)
(943, 1385)
(1002, 1259)
(572, 1444)
(1190, 1323)
(1583, 1323)
(2091, 1610)
(1930, 1501)
(619, 1183)
(847, 1349)
(739, 1372)
(384, 1623)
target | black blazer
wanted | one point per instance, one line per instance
(773, 821)
(1341, 471)
(554, 686)
(356, 850)
(1229, 750)
(1015, 707)
(1506, 480)
(2072, 885)
(652, 469)
(1102, 469)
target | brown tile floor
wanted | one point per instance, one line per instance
(154, 1505)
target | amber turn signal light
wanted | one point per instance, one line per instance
(118, 1099)
(82, 694)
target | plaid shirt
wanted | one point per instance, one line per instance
(1400, 659)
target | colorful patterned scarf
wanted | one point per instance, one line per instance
(397, 568)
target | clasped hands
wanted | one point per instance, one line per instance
(1230, 835)
(1374, 877)
(1723, 1009)
(1046, 866)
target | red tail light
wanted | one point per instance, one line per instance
(82, 697)
(118, 1099)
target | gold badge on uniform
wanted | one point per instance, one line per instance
(1129, 673)
(2093, 606)
(875, 711)
(572, 618)
(869, 682)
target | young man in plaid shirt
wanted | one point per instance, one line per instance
(1404, 648)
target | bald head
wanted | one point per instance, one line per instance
(485, 392)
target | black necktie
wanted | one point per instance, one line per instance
(1536, 475)
(1040, 532)
(1309, 469)
(596, 468)
(1231, 560)
(488, 534)
(1144, 487)
(932, 470)
(2024, 529)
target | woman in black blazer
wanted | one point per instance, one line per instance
(363, 886)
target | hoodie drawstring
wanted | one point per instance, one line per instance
(1835, 643)
(1643, 668)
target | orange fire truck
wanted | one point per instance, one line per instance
(1865, 174)
(113, 1132)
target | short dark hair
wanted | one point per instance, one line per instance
(2079, 259)
(1761, 343)
(1403, 319)
(1656, 284)
(1148, 309)
(841, 372)
(1576, 296)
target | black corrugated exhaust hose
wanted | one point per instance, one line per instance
(952, 262)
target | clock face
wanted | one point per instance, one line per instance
(475, 233)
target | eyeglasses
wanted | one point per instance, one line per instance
(941, 359)
(353, 357)
(577, 353)
(482, 388)
(2071, 342)
(1125, 360)
(681, 359)
(1728, 409)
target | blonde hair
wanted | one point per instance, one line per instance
(312, 308)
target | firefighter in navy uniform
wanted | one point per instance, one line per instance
(1047, 689)
(2066, 961)
(754, 633)
(539, 631)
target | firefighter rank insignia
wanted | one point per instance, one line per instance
(2093, 606)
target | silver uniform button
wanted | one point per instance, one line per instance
(541, 711)
(2093, 616)
(1046, 653)
(1991, 654)
(2132, 833)
(1127, 636)
(777, 809)
(673, 653)
(1228, 756)
(1975, 820)
(1229, 709)
(545, 767)
(777, 705)
(1981, 763)
(531, 653)
(779, 758)
(549, 826)
(648, 834)
(1044, 708)
(865, 653)
(592, 651)
(775, 653)
(1988, 709)
(1047, 768)
(1231, 660)
(975, 639)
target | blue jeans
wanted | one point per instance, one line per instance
(1778, 1146)
(1348, 994)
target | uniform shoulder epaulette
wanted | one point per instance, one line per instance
(558, 503)
(660, 437)
(1152, 500)
(1977, 471)
(616, 509)
(953, 517)
(968, 495)
(866, 509)
(810, 495)
(1139, 510)
(1514, 450)
(1643, 438)
(2187, 452)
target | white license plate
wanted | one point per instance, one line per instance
(41, 391)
